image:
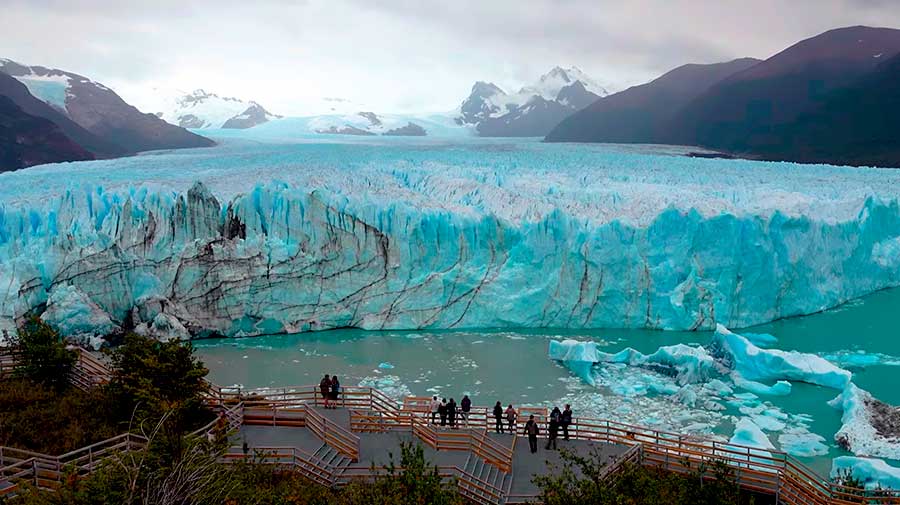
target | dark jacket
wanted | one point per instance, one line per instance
(466, 404)
(566, 417)
(451, 409)
(498, 411)
(532, 429)
(335, 386)
(553, 428)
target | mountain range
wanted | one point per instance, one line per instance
(830, 98)
(534, 110)
(75, 111)
(203, 109)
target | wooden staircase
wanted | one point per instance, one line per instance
(489, 486)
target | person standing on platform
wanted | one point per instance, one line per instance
(442, 411)
(466, 406)
(565, 421)
(335, 391)
(511, 416)
(498, 418)
(435, 408)
(325, 388)
(451, 413)
(532, 430)
(553, 429)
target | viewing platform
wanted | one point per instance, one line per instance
(290, 427)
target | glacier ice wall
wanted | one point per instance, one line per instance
(284, 258)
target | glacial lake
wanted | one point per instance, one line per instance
(512, 366)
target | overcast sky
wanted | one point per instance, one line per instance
(401, 55)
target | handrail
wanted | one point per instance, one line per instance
(333, 434)
(765, 470)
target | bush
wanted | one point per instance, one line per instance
(42, 355)
(581, 480)
(38, 418)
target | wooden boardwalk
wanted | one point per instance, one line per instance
(287, 427)
(376, 448)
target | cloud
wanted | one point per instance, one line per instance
(400, 54)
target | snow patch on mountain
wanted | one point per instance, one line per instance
(203, 109)
(534, 109)
(551, 83)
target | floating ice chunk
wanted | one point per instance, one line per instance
(869, 426)
(75, 315)
(860, 359)
(718, 387)
(874, 473)
(767, 423)
(579, 357)
(780, 388)
(757, 364)
(386, 366)
(802, 444)
(748, 433)
(760, 339)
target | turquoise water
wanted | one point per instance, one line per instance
(512, 366)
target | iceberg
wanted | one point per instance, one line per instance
(755, 364)
(803, 444)
(869, 427)
(378, 234)
(874, 473)
(579, 357)
(748, 433)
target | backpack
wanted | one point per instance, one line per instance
(554, 416)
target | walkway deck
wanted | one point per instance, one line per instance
(377, 448)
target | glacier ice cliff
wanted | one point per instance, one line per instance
(283, 258)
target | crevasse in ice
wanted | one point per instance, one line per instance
(285, 259)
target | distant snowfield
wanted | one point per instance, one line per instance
(514, 180)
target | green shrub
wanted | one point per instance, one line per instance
(581, 479)
(159, 385)
(42, 354)
(38, 418)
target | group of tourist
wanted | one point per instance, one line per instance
(330, 387)
(557, 420)
(450, 412)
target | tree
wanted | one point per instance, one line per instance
(42, 355)
(156, 380)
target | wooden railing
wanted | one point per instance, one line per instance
(470, 486)
(89, 371)
(771, 472)
(293, 414)
(46, 471)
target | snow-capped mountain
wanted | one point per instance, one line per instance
(370, 123)
(534, 110)
(104, 124)
(202, 109)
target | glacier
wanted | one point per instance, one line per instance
(259, 237)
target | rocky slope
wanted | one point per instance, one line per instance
(641, 113)
(27, 140)
(100, 111)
